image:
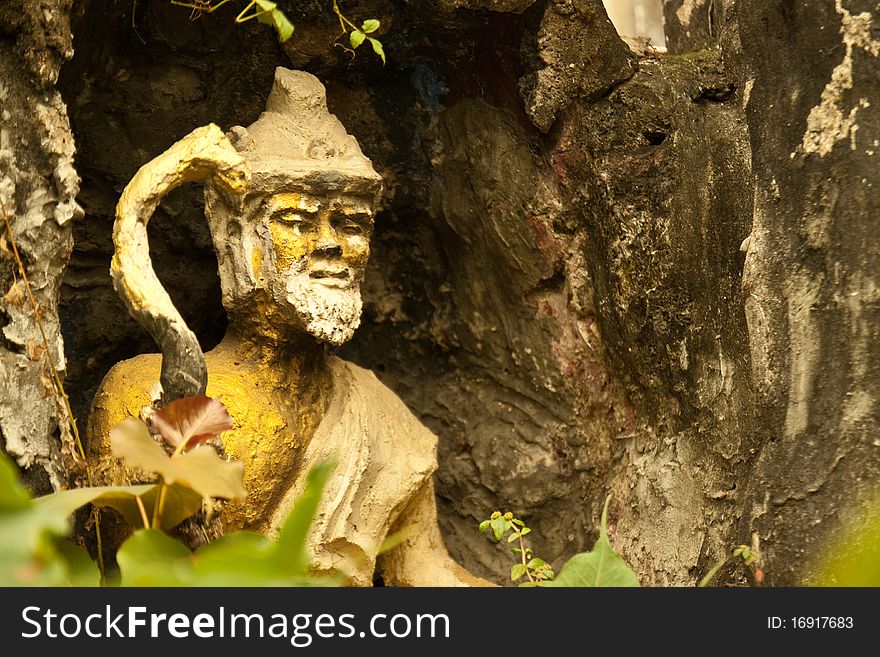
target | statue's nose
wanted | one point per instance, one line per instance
(328, 240)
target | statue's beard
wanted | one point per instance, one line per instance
(328, 314)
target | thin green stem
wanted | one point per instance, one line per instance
(241, 18)
(522, 553)
(143, 511)
(59, 387)
(160, 505)
(342, 19)
(204, 7)
(707, 579)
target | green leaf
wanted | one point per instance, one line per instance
(600, 567)
(27, 554)
(484, 526)
(206, 473)
(356, 38)
(180, 502)
(370, 25)
(130, 441)
(513, 537)
(31, 550)
(80, 570)
(499, 526)
(291, 543)
(247, 559)
(151, 558)
(377, 48)
(526, 530)
(200, 468)
(271, 15)
(191, 421)
(13, 495)
(535, 563)
(67, 501)
(239, 559)
(517, 521)
(518, 570)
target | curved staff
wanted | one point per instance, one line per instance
(203, 154)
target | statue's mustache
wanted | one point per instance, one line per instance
(322, 273)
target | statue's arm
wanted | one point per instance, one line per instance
(421, 558)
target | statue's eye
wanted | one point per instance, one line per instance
(295, 220)
(351, 228)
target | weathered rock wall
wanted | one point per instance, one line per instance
(813, 268)
(38, 188)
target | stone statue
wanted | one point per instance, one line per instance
(290, 203)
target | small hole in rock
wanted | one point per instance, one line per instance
(654, 137)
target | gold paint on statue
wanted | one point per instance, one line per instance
(266, 436)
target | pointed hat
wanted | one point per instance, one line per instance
(297, 144)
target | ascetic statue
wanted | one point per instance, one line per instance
(290, 203)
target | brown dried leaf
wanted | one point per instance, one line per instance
(35, 350)
(191, 421)
(15, 295)
(5, 251)
(48, 384)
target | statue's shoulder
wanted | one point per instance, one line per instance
(128, 387)
(382, 407)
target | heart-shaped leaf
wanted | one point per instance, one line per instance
(151, 558)
(191, 421)
(370, 25)
(130, 441)
(207, 474)
(200, 468)
(356, 38)
(600, 567)
(180, 502)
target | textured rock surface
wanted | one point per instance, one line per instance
(38, 186)
(812, 270)
(665, 208)
(692, 24)
(576, 53)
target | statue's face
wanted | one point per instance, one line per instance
(321, 245)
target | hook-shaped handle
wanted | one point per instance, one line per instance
(204, 154)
